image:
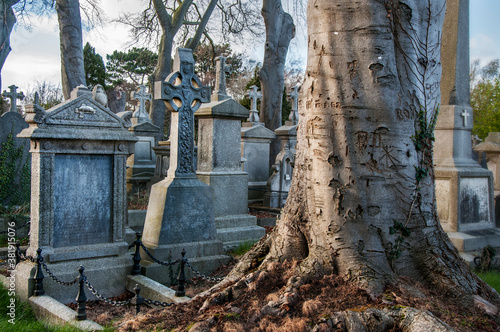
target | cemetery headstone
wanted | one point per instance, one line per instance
(464, 190)
(280, 181)
(180, 210)
(255, 149)
(78, 206)
(141, 165)
(117, 100)
(219, 165)
(11, 124)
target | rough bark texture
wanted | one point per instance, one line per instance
(279, 32)
(362, 201)
(70, 35)
(7, 21)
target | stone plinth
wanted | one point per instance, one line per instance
(219, 166)
(141, 165)
(255, 149)
(78, 196)
(280, 181)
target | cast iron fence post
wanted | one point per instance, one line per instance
(39, 274)
(181, 291)
(136, 269)
(81, 298)
(138, 299)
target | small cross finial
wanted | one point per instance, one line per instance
(141, 96)
(36, 100)
(465, 115)
(254, 96)
(220, 77)
(294, 114)
(13, 96)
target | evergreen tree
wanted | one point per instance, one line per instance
(133, 66)
(95, 71)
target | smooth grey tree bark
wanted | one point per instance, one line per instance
(170, 25)
(279, 32)
(7, 21)
(362, 203)
(70, 34)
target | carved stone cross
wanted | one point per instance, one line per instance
(465, 115)
(254, 96)
(294, 114)
(141, 96)
(13, 96)
(183, 94)
(220, 78)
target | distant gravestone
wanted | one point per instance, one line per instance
(255, 149)
(464, 190)
(141, 165)
(12, 123)
(117, 100)
(180, 210)
(294, 114)
(78, 203)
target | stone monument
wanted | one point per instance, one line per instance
(12, 123)
(255, 149)
(464, 190)
(78, 202)
(141, 165)
(219, 164)
(280, 181)
(180, 210)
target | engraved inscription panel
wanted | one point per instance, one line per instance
(474, 200)
(82, 199)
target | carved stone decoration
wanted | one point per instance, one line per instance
(220, 79)
(13, 96)
(254, 96)
(141, 115)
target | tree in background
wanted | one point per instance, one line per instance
(485, 98)
(49, 94)
(95, 71)
(133, 66)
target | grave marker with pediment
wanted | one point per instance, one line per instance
(78, 206)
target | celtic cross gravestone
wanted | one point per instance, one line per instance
(254, 96)
(180, 209)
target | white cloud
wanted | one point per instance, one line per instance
(484, 48)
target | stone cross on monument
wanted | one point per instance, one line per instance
(13, 96)
(220, 79)
(254, 96)
(183, 94)
(294, 114)
(141, 96)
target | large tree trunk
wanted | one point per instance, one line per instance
(279, 31)
(7, 21)
(70, 36)
(362, 202)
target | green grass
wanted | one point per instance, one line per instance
(25, 319)
(241, 249)
(492, 278)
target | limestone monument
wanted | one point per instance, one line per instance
(280, 181)
(219, 164)
(78, 203)
(12, 123)
(255, 149)
(464, 190)
(180, 210)
(141, 166)
(13, 95)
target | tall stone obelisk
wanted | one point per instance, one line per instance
(464, 190)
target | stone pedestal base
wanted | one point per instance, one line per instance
(238, 229)
(204, 256)
(275, 199)
(108, 275)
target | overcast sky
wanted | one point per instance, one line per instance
(35, 54)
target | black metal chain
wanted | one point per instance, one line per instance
(102, 298)
(53, 277)
(156, 260)
(16, 228)
(213, 279)
(163, 304)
